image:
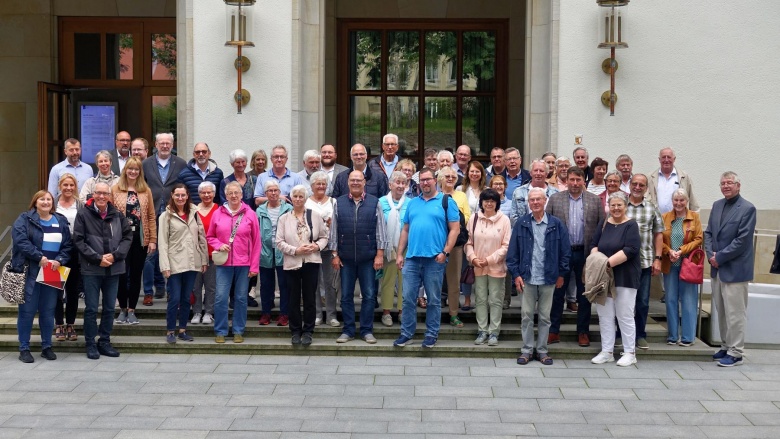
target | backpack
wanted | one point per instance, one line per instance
(463, 235)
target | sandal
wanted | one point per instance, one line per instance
(456, 322)
(59, 333)
(545, 359)
(524, 359)
(71, 333)
(422, 303)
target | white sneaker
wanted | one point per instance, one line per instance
(603, 357)
(253, 293)
(387, 320)
(334, 323)
(627, 359)
(318, 321)
(207, 319)
(195, 318)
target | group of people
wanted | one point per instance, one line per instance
(548, 233)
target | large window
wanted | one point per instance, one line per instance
(434, 84)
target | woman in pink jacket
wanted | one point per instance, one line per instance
(486, 251)
(234, 229)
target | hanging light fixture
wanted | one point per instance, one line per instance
(612, 32)
(239, 34)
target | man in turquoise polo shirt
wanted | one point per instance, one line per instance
(430, 234)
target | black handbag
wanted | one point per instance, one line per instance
(467, 277)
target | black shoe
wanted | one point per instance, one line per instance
(159, 294)
(92, 352)
(251, 302)
(296, 339)
(26, 357)
(107, 350)
(306, 339)
(48, 354)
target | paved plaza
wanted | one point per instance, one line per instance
(256, 396)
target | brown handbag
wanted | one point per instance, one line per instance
(692, 268)
(467, 277)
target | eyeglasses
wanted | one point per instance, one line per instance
(391, 144)
(123, 140)
(100, 194)
(448, 177)
(511, 159)
(353, 180)
(201, 152)
(426, 180)
(233, 193)
(278, 157)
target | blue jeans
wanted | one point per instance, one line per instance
(237, 277)
(364, 273)
(42, 299)
(267, 285)
(152, 275)
(642, 307)
(179, 290)
(687, 295)
(577, 264)
(93, 286)
(430, 274)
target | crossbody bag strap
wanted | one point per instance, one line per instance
(311, 227)
(235, 228)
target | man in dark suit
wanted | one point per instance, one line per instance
(728, 242)
(329, 166)
(121, 153)
(581, 212)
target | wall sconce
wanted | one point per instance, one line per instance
(239, 34)
(612, 22)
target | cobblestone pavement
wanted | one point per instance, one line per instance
(214, 396)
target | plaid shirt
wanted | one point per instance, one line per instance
(650, 221)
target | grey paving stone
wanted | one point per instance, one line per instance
(740, 406)
(388, 436)
(124, 398)
(6, 384)
(537, 417)
(498, 381)
(319, 413)
(426, 427)
(44, 386)
(267, 424)
(709, 419)
(418, 402)
(767, 419)
(505, 428)
(307, 369)
(219, 358)
(363, 380)
(277, 359)
(419, 380)
(699, 384)
(108, 366)
(4, 418)
(518, 371)
(749, 395)
(573, 430)
(758, 376)
(242, 435)
(157, 358)
(740, 431)
(13, 433)
(629, 430)
(757, 385)
(486, 362)
(63, 409)
(127, 422)
(257, 401)
(338, 361)
(309, 389)
(138, 411)
(45, 433)
(175, 388)
(60, 397)
(397, 361)
(630, 372)
(527, 392)
(436, 415)
(322, 426)
(378, 415)
(371, 370)
(374, 402)
(161, 434)
(440, 370)
(67, 365)
(549, 382)
(667, 364)
(467, 403)
(575, 405)
(241, 389)
(108, 386)
(627, 418)
(592, 394)
(628, 383)
(307, 435)
(664, 406)
(480, 392)
(721, 373)
(584, 364)
(49, 421)
(276, 378)
(512, 364)
(380, 390)
(222, 412)
(198, 377)
(574, 373)
(12, 371)
(192, 399)
(245, 368)
(191, 423)
(89, 375)
(678, 395)
(152, 377)
(187, 367)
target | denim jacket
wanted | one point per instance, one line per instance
(557, 250)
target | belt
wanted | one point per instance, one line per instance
(577, 248)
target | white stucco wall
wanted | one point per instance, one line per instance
(267, 119)
(700, 76)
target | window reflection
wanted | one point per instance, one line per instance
(365, 126)
(365, 50)
(479, 61)
(163, 56)
(441, 61)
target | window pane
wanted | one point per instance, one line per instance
(164, 115)
(86, 56)
(479, 61)
(440, 114)
(119, 56)
(365, 126)
(163, 56)
(365, 51)
(440, 61)
(478, 125)
(402, 114)
(403, 63)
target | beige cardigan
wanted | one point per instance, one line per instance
(148, 217)
(287, 239)
(182, 245)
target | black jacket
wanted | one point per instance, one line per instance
(95, 236)
(376, 183)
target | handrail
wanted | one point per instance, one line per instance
(10, 246)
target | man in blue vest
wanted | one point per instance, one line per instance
(358, 239)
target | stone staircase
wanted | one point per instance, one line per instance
(149, 337)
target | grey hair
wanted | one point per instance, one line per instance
(445, 153)
(207, 185)
(513, 149)
(237, 154)
(103, 153)
(318, 176)
(580, 148)
(619, 195)
(310, 154)
(543, 163)
(298, 189)
(398, 175)
(681, 193)
(614, 172)
(562, 159)
(269, 183)
(282, 147)
(231, 184)
(534, 189)
(384, 138)
(352, 150)
(623, 158)
(731, 175)
(158, 135)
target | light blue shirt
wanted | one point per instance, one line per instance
(82, 172)
(389, 166)
(537, 255)
(576, 221)
(287, 181)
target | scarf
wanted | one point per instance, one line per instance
(394, 225)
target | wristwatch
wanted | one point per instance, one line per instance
(446, 254)
(657, 258)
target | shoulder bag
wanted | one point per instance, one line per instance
(468, 274)
(692, 268)
(220, 257)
